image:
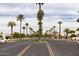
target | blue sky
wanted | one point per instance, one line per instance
(54, 12)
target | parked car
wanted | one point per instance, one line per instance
(2, 39)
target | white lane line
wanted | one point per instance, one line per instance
(4, 53)
(24, 50)
(50, 50)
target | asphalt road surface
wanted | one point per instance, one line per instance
(12, 49)
(29, 48)
(37, 49)
(64, 48)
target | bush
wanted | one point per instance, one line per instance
(16, 35)
(73, 35)
(22, 35)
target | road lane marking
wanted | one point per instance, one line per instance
(24, 50)
(50, 50)
(4, 53)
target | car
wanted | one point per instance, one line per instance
(2, 39)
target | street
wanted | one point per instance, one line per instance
(64, 48)
(29, 48)
(12, 49)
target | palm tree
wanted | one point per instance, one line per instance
(50, 31)
(54, 30)
(31, 30)
(20, 18)
(11, 24)
(66, 31)
(40, 15)
(47, 32)
(26, 28)
(77, 29)
(23, 30)
(59, 29)
(72, 32)
(78, 20)
(40, 5)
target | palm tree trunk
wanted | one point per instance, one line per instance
(26, 30)
(23, 31)
(54, 33)
(11, 30)
(67, 35)
(20, 26)
(59, 31)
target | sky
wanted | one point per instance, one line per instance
(53, 12)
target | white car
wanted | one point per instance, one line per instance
(2, 39)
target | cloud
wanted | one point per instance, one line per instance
(66, 12)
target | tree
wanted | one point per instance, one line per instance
(23, 30)
(66, 30)
(59, 29)
(78, 20)
(11, 24)
(40, 15)
(20, 18)
(72, 32)
(22, 35)
(31, 30)
(26, 28)
(77, 29)
(16, 35)
(73, 35)
(54, 31)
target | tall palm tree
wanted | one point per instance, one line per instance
(40, 5)
(66, 30)
(20, 18)
(59, 29)
(26, 28)
(11, 24)
(23, 30)
(54, 30)
(40, 15)
(50, 31)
